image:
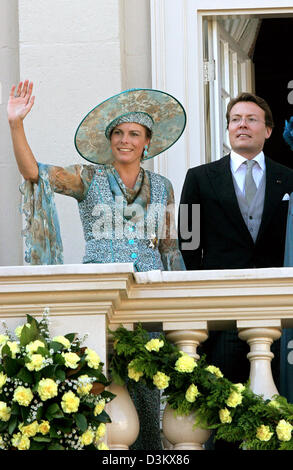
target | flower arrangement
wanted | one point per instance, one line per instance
(189, 386)
(52, 391)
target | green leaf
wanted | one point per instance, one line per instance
(55, 446)
(54, 411)
(12, 424)
(55, 346)
(70, 336)
(3, 426)
(81, 422)
(12, 366)
(59, 359)
(49, 371)
(15, 409)
(39, 413)
(102, 418)
(24, 413)
(29, 334)
(25, 376)
(60, 374)
(37, 445)
(6, 351)
(42, 439)
(64, 425)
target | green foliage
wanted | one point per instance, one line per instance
(236, 417)
(30, 419)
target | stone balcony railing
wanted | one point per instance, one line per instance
(185, 305)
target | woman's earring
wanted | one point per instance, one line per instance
(145, 153)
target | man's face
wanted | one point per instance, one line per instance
(247, 129)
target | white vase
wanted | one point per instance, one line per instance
(123, 431)
(180, 432)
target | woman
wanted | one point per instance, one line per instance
(126, 211)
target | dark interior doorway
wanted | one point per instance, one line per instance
(273, 59)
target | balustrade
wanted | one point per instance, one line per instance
(185, 305)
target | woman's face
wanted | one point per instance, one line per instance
(128, 141)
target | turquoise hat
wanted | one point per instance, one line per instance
(157, 110)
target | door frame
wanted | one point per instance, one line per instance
(178, 68)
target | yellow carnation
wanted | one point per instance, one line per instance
(161, 380)
(20, 441)
(240, 387)
(87, 437)
(154, 345)
(37, 362)
(99, 407)
(3, 378)
(85, 385)
(33, 346)
(214, 370)
(132, 373)
(92, 358)
(191, 393)
(14, 348)
(225, 416)
(23, 395)
(234, 399)
(44, 427)
(101, 431)
(5, 411)
(274, 404)
(185, 363)
(70, 402)
(284, 430)
(102, 446)
(263, 433)
(71, 359)
(29, 430)
(47, 389)
(62, 340)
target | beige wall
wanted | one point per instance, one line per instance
(10, 220)
(77, 53)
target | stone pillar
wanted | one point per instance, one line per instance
(179, 429)
(260, 335)
(123, 431)
(186, 339)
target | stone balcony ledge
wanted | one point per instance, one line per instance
(218, 297)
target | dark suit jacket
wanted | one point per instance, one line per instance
(225, 242)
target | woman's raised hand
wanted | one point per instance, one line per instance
(20, 101)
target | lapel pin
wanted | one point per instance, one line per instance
(279, 181)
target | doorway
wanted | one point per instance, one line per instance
(273, 64)
(256, 58)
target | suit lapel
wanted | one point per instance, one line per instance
(222, 182)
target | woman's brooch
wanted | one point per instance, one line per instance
(153, 241)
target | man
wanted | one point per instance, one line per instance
(243, 214)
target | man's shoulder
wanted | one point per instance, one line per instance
(217, 164)
(276, 166)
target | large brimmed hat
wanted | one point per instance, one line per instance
(157, 110)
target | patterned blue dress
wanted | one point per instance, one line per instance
(120, 225)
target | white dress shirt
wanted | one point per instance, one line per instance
(238, 168)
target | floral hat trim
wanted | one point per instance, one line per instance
(166, 112)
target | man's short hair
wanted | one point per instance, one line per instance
(255, 99)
